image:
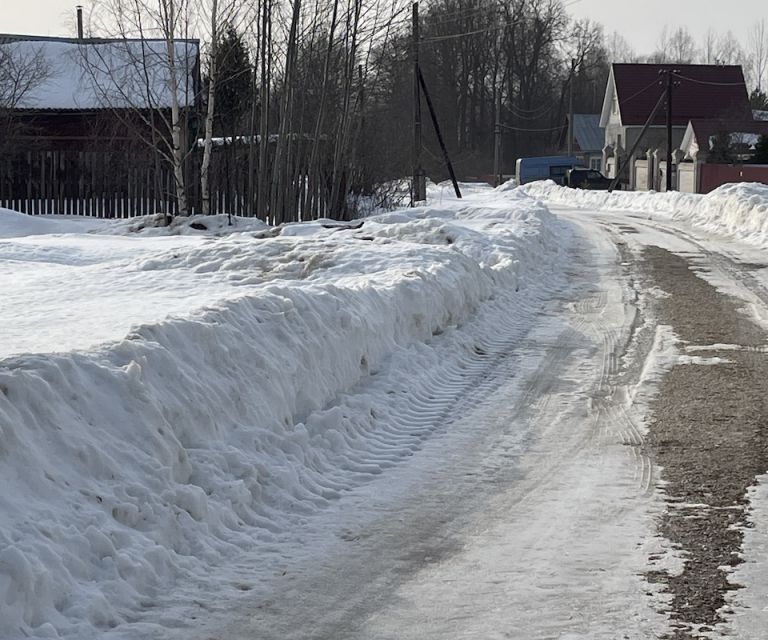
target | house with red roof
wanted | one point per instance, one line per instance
(701, 93)
(715, 152)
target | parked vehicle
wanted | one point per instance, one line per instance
(544, 168)
(583, 178)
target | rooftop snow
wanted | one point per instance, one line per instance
(102, 74)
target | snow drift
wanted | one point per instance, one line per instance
(158, 456)
(738, 210)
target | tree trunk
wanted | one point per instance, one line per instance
(209, 113)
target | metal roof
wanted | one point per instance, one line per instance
(81, 75)
(701, 91)
(699, 133)
(587, 132)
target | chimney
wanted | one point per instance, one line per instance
(79, 22)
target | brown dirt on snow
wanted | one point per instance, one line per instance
(709, 433)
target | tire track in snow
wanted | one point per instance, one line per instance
(613, 414)
(503, 432)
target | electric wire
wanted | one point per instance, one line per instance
(510, 128)
(643, 90)
(532, 114)
(705, 82)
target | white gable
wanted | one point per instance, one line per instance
(689, 146)
(609, 101)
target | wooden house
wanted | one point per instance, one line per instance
(83, 133)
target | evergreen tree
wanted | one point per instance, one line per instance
(758, 100)
(233, 88)
(761, 151)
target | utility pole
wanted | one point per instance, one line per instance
(669, 130)
(497, 173)
(670, 83)
(439, 135)
(570, 106)
(620, 169)
(419, 187)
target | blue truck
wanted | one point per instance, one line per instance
(544, 168)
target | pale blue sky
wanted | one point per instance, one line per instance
(639, 21)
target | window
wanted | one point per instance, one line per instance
(595, 163)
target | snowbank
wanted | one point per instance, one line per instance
(162, 225)
(738, 210)
(162, 455)
(16, 225)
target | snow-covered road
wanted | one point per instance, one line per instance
(535, 515)
(451, 423)
(532, 517)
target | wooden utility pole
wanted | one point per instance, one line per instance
(497, 141)
(439, 135)
(670, 74)
(620, 168)
(419, 187)
(570, 106)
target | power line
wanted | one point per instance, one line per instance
(479, 31)
(506, 126)
(532, 114)
(711, 84)
(453, 36)
(459, 15)
(643, 90)
(462, 13)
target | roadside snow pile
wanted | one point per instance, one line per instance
(738, 210)
(162, 455)
(16, 225)
(641, 201)
(163, 225)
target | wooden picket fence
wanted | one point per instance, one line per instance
(116, 184)
(103, 184)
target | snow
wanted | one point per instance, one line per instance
(171, 397)
(739, 211)
(749, 606)
(14, 224)
(737, 138)
(694, 226)
(191, 401)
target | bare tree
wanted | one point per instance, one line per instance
(682, 48)
(662, 52)
(205, 190)
(619, 50)
(146, 74)
(709, 48)
(214, 14)
(676, 46)
(23, 68)
(758, 51)
(729, 51)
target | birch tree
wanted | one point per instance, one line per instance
(145, 74)
(758, 51)
(218, 17)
